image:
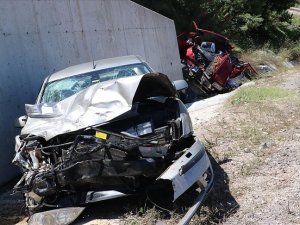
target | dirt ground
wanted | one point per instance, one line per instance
(261, 183)
(257, 184)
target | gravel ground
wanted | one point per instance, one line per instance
(273, 193)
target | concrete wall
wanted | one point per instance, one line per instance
(38, 37)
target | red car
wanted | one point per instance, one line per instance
(209, 65)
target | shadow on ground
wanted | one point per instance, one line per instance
(220, 204)
(12, 207)
(111, 209)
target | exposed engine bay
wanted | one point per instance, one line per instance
(143, 143)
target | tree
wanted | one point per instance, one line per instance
(258, 22)
(248, 23)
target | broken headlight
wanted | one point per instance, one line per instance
(62, 216)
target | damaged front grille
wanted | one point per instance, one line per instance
(121, 146)
(98, 159)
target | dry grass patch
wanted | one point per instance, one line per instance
(149, 217)
(265, 56)
(251, 127)
(253, 122)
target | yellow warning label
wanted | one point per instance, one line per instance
(101, 135)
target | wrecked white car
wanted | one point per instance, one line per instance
(103, 130)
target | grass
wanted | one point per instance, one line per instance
(295, 50)
(150, 216)
(265, 111)
(252, 126)
(259, 94)
(296, 20)
(256, 120)
(266, 56)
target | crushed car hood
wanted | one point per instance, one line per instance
(96, 104)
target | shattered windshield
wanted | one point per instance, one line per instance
(58, 90)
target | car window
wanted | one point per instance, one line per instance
(58, 90)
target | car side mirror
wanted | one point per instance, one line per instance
(20, 122)
(180, 85)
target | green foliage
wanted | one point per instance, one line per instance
(296, 21)
(295, 52)
(265, 56)
(248, 23)
(254, 94)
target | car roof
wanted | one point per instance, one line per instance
(99, 65)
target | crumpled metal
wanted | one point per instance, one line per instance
(96, 104)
